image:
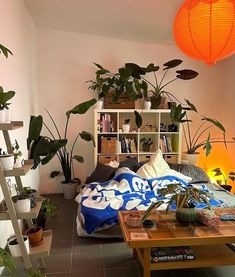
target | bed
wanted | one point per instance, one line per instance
(134, 186)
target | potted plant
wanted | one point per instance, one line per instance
(225, 177)
(201, 137)
(6, 160)
(157, 88)
(146, 143)
(18, 156)
(126, 126)
(48, 210)
(35, 235)
(7, 261)
(44, 148)
(21, 202)
(14, 247)
(5, 96)
(185, 199)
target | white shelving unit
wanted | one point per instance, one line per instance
(153, 119)
(10, 214)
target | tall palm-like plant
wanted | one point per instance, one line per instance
(44, 148)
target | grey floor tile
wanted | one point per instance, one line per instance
(62, 234)
(96, 273)
(58, 264)
(222, 271)
(59, 274)
(86, 262)
(61, 248)
(118, 259)
(123, 272)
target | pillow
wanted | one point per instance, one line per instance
(114, 164)
(131, 163)
(102, 173)
(158, 167)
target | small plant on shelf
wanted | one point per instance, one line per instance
(185, 199)
(5, 96)
(146, 143)
(18, 155)
(126, 126)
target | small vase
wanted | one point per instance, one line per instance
(147, 105)
(186, 214)
(191, 158)
(7, 161)
(126, 128)
(99, 104)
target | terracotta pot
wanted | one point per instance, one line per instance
(191, 158)
(186, 214)
(35, 235)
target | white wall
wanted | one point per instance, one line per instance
(65, 64)
(18, 73)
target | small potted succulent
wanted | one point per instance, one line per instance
(126, 126)
(6, 160)
(146, 144)
(225, 177)
(185, 199)
(5, 96)
(18, 156)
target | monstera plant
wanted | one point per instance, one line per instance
(44, 147)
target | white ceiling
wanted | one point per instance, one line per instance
(140, 20)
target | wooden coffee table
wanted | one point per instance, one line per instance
(209, 243)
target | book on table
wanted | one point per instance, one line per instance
(167, 254)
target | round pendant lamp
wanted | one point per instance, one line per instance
(205, 29)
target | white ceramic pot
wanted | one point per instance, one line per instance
(14, 246)
(126, 128)
(22, 205)
(8, 116)
(7, 161)
(147, 105)
(99, 104)
(3, 116)
(19, 162)
(191, 158)
(69, 190)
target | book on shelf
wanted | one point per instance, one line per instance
(105, 123)
(128, 145)
(165, 144)
(169, 254)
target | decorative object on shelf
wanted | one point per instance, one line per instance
(225, 177)
(32, 193)
(7, 261)
(44, 148)
(146, 143)
(5, 114)
(185, 199)
(18, 156)
(157, 91)
(35, 235)
(6, 160)
(195, 141)
(209, 29)
(147, 105)
(14, 247)
(126, 126)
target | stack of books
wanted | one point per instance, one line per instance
(169, 254)
(165, 144)
(128, 145)
(105, 123)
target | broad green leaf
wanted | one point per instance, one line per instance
(134, 70)
(78, 158)
(192, 107)
(81, 108)
(124, 73)
(5, 51)
(207, 146)
(87, 136)
(138, 119)
(186, 74)
(172, 64)
(215, 123)
(54, 174)
(35, 127)
(152, 68)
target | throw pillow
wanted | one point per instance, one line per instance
(102, 173)
(158, 167)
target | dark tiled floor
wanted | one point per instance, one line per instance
(84, 257)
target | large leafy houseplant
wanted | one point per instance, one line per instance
(182, 197)
(7, 261)
(201, 136)
(44, 148)
(156, 89)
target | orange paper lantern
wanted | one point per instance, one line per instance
(205, 29)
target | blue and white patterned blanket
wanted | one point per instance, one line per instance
(100, 202)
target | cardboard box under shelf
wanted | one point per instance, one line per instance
(107, 159)
(126, 157)
(171, 158)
